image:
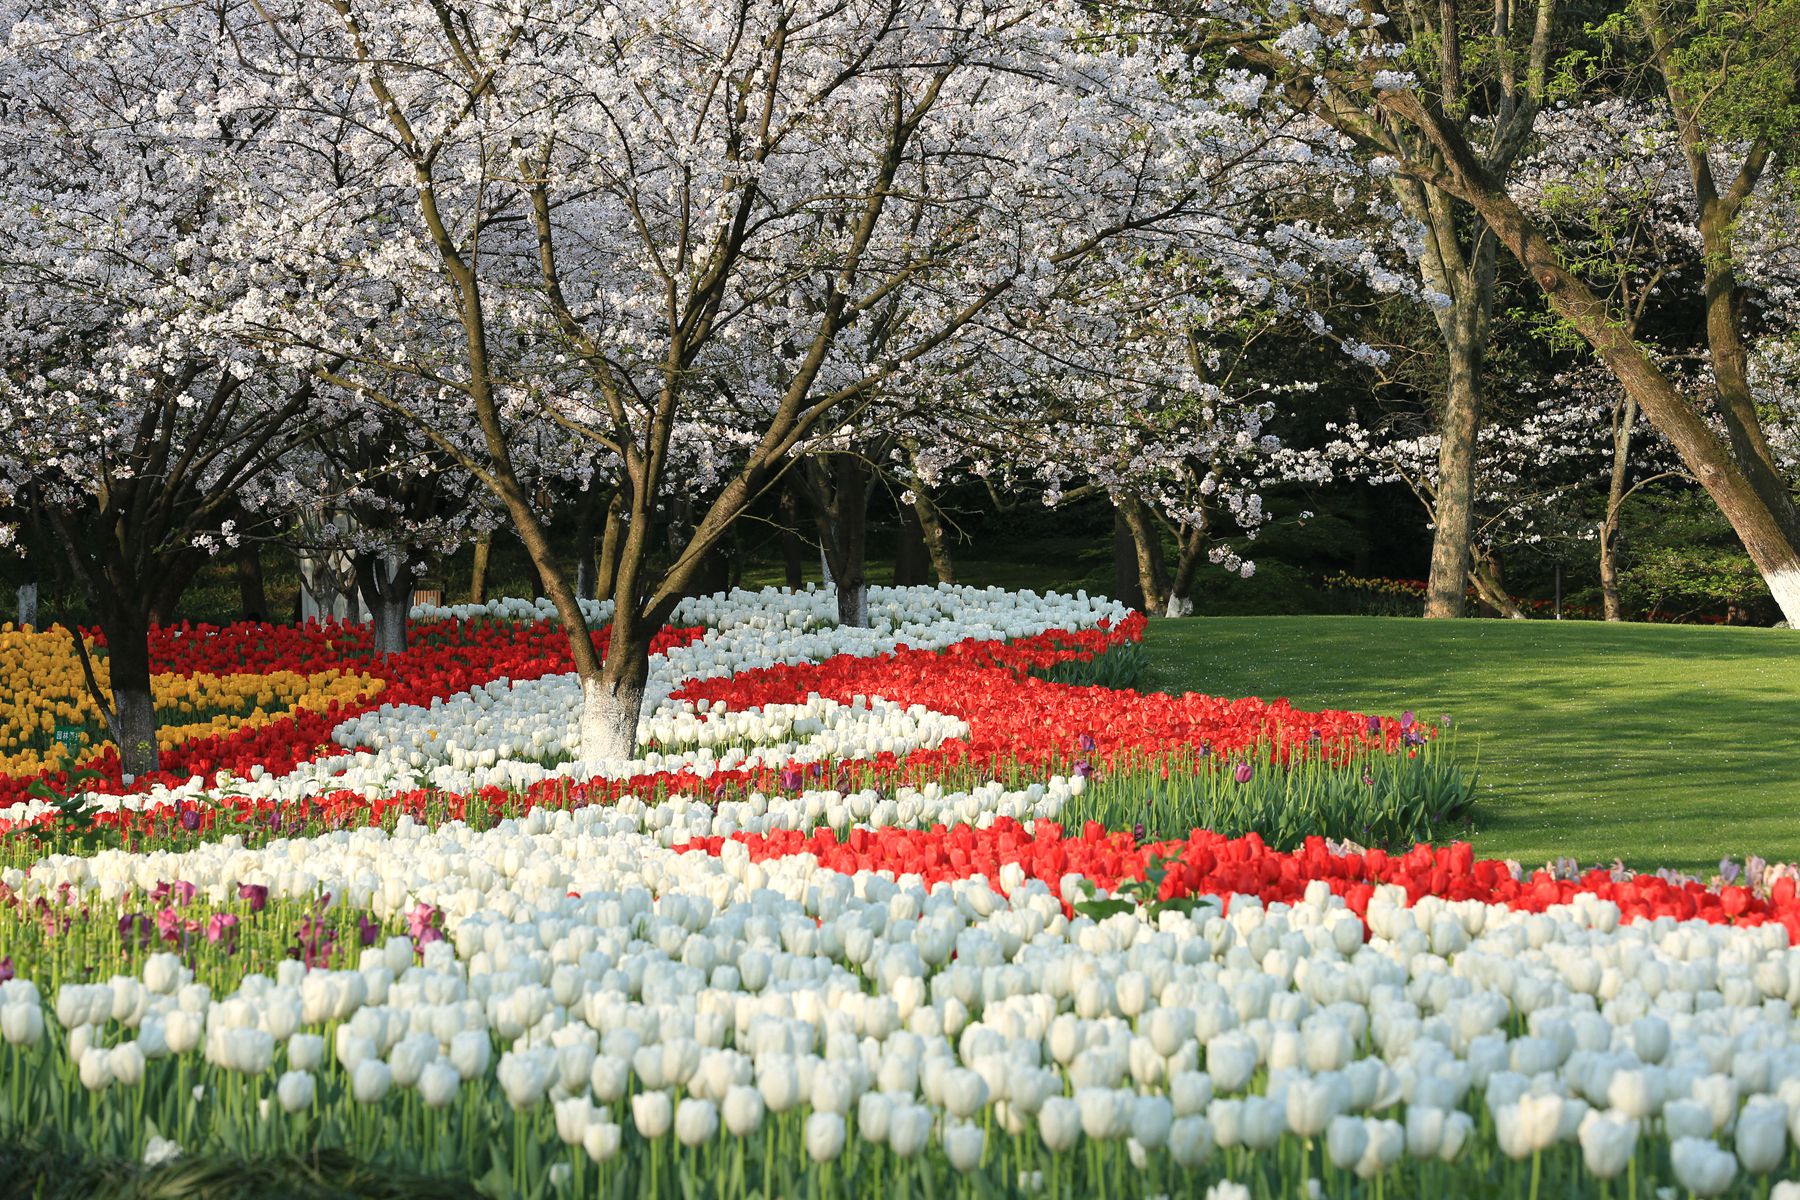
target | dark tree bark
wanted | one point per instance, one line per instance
(484, 547)
(386, 581)
(612, 540)
(912, 561)
(1147, 552)
(793, 556)
(1128, 588)
(838, 485)
(253, 597)
(1459, 426)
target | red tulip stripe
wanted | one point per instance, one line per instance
(1206, 864)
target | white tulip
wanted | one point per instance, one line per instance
(21, 1024)
(824, 1136)
(652, 1113)
(370, 1081)
(909, 1128)
(1059, 1123)
(295, 1090)
(743, 1110)
(696, 1121)
(963, 1146)
(439, 1083)
(1701, 1166)
(602, 1141)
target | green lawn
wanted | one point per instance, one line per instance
(1661, 745)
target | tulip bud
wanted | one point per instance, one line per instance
(96, 1070)
(126, 1062)
(824, 1136)
(601, 1141)
(1059, 1123)
(696, 1121)
(295, 1090)
(470, 1052)
(908, 1129)
(21, 1024)
(439, 1083)
(1701, 1166)
(963, 1145)
(1346, 1140)
(370, 1081)
(652, 1113)
(743, 1110)
(1761, 1134)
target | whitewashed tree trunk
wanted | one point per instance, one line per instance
(853, 605)
(136, 733)
(609, 719)
(28, 605)
(1785, 587)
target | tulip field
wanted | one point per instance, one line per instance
(932, 908)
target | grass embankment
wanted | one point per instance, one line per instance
(1661, 745)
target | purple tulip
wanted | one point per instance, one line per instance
(421, 924)
(1138, 833)
(1244, 772)
(1083, 770)
(368, 930)
(1374, 727)
(1728, 871)
(223, 927)
(790, 779)
(1368, 779)
(1753, 871)
(6, 968)
(255, 894)
(1407, 720)
(160, 893)
(184, 891)
(1087, 743)
(190, 819)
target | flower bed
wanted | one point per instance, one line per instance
(847, 928)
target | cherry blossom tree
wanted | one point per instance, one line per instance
(614, 220)
(138, 426)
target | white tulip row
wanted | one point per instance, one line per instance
(919, 616)
(514, 735)
(602, 965)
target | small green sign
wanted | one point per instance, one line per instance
(71, 738)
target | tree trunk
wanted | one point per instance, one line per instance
(793, 558)
(612, 539)
(937, 540)
(1127, 587)
(386, 586)
(484, 546)
(28, 605)
(911, 560)
(1187, 566)
(1624, 419)
(612, 703)
(253, 598)
(1153, 576)
(1454, 499)
(1484, 574)
(838, 485)
(128, 674)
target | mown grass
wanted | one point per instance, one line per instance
(1661, 745)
